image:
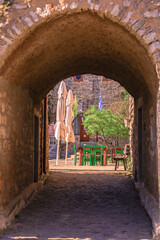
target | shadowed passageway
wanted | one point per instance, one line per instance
(84, 205)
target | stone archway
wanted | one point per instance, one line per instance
(61, 45)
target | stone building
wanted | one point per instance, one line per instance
(87, 89)
(44, 42)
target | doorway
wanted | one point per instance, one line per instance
(36, 147)
(45, 137)
(83, 135)
(140, 144)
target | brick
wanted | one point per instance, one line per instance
(17, 30)
(11, 33)
(158, 65)
(96, 7)
(73, 5)
(19, 6)
(116, 10)
(7, 40)
(2, 94)
(138, 24)
(2, 49)
(3, 120)
(34, 16)
(127, 3)
(132, 21)
(152, 14)
(2, 132)
(143, 31)
(127, 18)
(122, 12)
(154, 46)
(2, 107)
(28, 21)
(135, 4)
(150, 37)
(2, 25)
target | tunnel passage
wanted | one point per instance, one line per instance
(78, 42)
(64, 45)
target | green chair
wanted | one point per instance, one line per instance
(75, 152)
(98, 154)
(87, 154)
(118, 151)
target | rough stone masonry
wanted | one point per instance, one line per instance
(43, 42)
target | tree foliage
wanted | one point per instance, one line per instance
(106, 123)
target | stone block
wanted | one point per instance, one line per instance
(152, 13)
(96, 7)
(116, 10)
(150, 37)
(3, 120)
(11, 33)
(73, 5)
(34, 16)
(122, 12)
(2, 107)
(28, 21)
(126, 3)
(19, 6)
(156, 56)
(17, 30)
(2, 49)
(7, 40)
(154, 46)
(128, 17)
(143, 31)
(138, 24)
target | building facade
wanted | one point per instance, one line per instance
(87, 88)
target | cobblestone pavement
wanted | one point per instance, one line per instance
(83, 205)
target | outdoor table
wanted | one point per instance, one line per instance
(104, 156)
(80, 149)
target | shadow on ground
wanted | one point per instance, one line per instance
(83, 205)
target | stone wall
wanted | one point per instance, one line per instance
(16, 134)
(88, 93)
(148, 185)
(17, 142)
(149, 165)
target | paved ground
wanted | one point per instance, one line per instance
(83, 205)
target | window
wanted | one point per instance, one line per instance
(106, 79)
(78, 78)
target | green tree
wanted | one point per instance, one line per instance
(106, 123)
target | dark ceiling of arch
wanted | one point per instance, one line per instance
(77, 43)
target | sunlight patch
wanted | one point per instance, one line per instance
(69, 239)
(33, 238)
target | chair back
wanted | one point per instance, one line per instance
(98, 149)
(87, 149)
(118, 151)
